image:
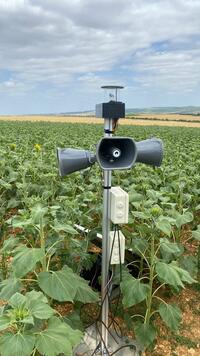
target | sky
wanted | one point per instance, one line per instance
(56, 54)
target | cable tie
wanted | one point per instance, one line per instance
(108, 131)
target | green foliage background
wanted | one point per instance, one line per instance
(42, 252)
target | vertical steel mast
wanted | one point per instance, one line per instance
(109, 123)
(107, 176)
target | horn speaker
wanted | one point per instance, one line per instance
(150, 151)
(116, 153)
(71, 160)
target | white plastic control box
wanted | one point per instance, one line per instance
(119, 206)
(117, 247)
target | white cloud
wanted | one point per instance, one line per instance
(172, 70)
(58, 42)
(10, 5)
(14, 87)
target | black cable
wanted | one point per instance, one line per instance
(96, 270)
(120, 259)
(108, 285)
(103, 340)
(122, 347)
(109, 332)
(99, 344)
(113, 321)
(106, 295)
(94, 352)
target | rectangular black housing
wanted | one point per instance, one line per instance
(111, 110)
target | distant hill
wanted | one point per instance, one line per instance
(183, 110)
(78, 113)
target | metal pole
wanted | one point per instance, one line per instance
(105, 249)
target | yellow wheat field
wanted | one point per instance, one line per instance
(153, 120)
(171, 117)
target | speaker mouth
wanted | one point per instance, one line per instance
(116, 153)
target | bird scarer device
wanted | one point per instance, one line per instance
(112, 153)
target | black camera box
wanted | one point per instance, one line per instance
(111, 110)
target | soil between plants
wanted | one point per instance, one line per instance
(186, 341)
